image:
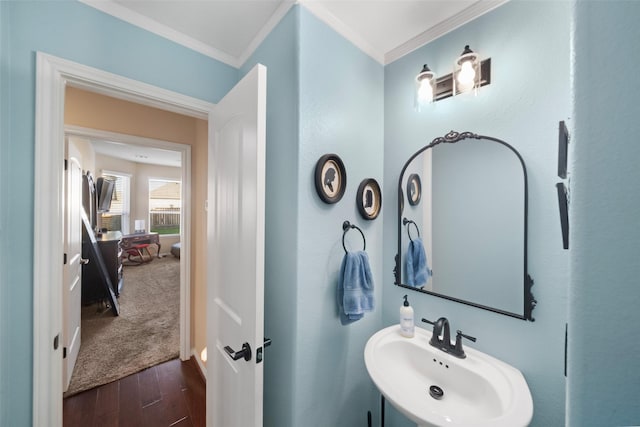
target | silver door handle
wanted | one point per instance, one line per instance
(84, 261)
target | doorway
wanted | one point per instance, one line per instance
(148, 329)
(54, 74)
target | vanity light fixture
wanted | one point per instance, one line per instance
(469, 74)
(425, 86)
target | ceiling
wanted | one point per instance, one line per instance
(230, 30)
(137, 153)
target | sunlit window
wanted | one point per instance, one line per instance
(165, 200)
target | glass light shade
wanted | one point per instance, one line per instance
(466, 72)
(425, 87)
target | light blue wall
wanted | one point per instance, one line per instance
(341, 111)
(82, 34)
(604, 296)
(323, 96)
(3, 206)
(279, 52)
(529, 46)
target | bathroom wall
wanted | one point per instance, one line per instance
(528, 95)
(604, 338)
(341, 111)
(323, 96)
(82, 34)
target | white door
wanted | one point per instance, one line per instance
(235, 288)
(72, 276)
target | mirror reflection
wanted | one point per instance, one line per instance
(462, 227)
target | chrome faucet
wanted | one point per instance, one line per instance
(441, 328)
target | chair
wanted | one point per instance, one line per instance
(140, 254)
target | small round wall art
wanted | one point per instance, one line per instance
(414, 189)
(369, 199)
(330, 178)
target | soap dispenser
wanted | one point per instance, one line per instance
(407, 326)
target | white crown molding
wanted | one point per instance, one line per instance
(321, 12)
(114, 9)
(341, 28)
(467, 15)
(277, 16)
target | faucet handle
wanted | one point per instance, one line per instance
(428, 321)
(460, 335)
(457, 349)
(435, 335)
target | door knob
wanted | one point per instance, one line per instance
(84, 261)
(244, 353)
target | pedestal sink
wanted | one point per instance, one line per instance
(433, 388)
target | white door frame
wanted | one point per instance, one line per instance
(52, 76)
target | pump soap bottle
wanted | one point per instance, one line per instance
(407, 326)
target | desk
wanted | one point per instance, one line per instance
(130, 240)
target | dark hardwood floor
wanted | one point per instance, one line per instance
(169, 394)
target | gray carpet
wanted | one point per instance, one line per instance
(146, 333)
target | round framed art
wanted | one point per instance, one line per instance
(369, 199)
(414, 189)
(330, 178)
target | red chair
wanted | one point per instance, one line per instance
(139, 254)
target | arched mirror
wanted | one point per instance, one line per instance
(462, 230)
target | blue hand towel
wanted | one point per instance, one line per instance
(355, 287)
(418, 271)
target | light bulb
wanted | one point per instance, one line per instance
(466, 75)
(425, 91)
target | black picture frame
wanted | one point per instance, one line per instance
(414, 189)
(330, 178)
(563, 205)
(369, 199)
(563, 142)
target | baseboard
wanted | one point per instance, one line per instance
(201, 367)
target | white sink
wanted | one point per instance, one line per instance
(479, 390)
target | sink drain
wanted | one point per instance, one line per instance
(436, 392)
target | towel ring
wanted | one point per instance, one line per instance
(346, 226)
(408, 222)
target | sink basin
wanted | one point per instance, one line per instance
(479, 390)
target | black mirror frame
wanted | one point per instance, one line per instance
(450, 138)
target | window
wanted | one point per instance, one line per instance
(165, 200)
(117, 219)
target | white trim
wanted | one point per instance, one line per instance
(134, 18)
(461, 18)
(319, 10)
(105, 83)
(266, 29)
(52, 75)
(185, 228)
(322, 13)
(203, 369)
(48, 240)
